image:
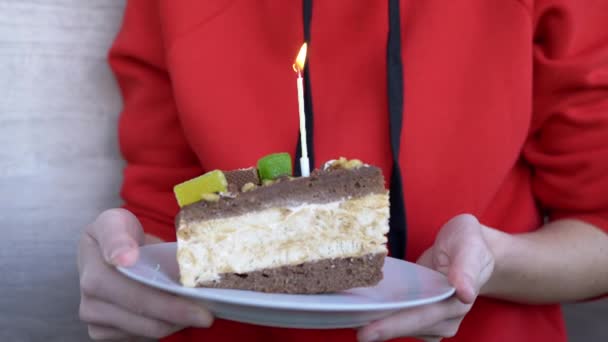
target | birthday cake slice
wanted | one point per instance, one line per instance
(261, 229)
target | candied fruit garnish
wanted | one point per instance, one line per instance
(274, 166)
(193, 191)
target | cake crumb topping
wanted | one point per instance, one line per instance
(210, 197)
(248, 187)
(343, 163)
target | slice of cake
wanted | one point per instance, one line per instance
(316, 234)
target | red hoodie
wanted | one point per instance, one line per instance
(506, 116)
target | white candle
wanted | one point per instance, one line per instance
(304, 163)
(299, 67)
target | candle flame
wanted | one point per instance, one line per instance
(298, 65)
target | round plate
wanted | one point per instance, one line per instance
(405, 285)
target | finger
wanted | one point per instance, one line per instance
(98, 312)
(104, 333)
(447, 328)
(438, 319)
(429, 338)
(103, 282)
(408, 322)
(119, 234)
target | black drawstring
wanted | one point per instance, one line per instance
(308, 108)
(394, 72)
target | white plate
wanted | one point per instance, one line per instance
(405, 285)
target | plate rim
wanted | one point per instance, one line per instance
(210, 294)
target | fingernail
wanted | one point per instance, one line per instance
(120, 255)
(470, 282)
(469, 288)
(201, 318)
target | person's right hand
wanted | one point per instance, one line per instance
(115, 307)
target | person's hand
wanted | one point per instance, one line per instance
(115, 307)
(461, 253)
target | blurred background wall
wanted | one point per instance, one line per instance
(59, 161)
(60, 166)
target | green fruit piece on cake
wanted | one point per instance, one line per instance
(274, 166)
(193, 191)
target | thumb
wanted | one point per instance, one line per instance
(468, 259)
(119, 235)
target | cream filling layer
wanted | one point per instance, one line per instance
(282, 236)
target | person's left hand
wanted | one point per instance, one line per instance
(461, 253)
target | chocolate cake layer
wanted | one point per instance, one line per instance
(240, 177)
(320, 187)
(323, 276)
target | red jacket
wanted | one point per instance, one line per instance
(506, 116)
